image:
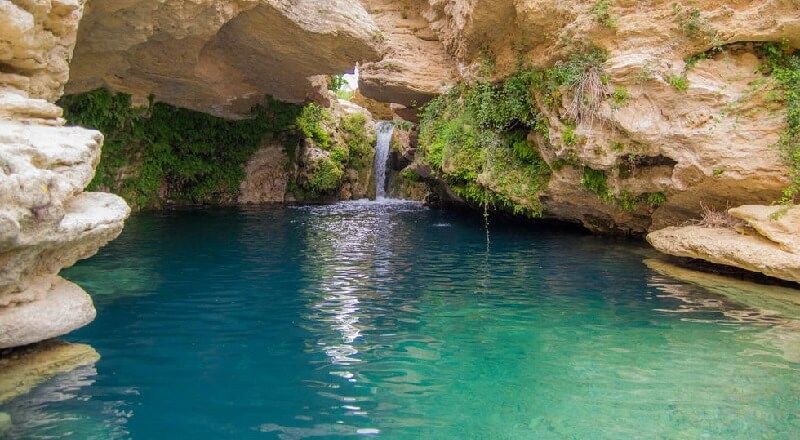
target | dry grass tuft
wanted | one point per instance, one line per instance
(716, 219)
(588, 95)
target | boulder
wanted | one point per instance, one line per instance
(748, 248)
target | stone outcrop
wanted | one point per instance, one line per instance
(763, 243)
(219, 56)
(46, 221)
(274, 172)
(416, 67)
(711, 140)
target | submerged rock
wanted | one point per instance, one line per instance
(21, 369)
(764, 245)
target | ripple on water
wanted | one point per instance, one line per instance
(392, 320)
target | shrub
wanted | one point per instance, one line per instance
(620, 96)
(311, 123)
(603, 15)
(680, 82)
(196, 157)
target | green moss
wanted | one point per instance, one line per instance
(192, 157)
(359, 143)
(568, 134)
(692, 23)
(596, 181)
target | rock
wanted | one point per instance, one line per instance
(777, 223)
(21, 369)
(61, 309)
(266, 176)
(416, 66)
(728, 247)
(219, 56)
(46, 221)
(712, 144)
(36, 41)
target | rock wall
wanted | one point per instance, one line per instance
(219, 56)
(46, 221)
(699, 132)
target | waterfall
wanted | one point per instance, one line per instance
(384, 129)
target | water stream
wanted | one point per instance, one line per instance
(385, 130)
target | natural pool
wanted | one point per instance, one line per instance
(396, 321)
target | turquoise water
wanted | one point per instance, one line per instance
(400, 322)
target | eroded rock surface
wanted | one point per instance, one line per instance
(46, 221)
(219, 56)
(709, 140)
(746, 248)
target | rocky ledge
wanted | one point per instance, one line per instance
(46, 224)
(763, 239)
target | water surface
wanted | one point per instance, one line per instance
(395, 321)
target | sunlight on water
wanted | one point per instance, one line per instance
(390, 320)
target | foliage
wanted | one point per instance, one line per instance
(603, 15)
(359, 144)
(596, 181)
(325, 175)
(784, 67)
(194, 157)
(311, 122)
(475, 137)
(680, 82)
(336, 82)
(656, 199)
(620, 96)
(692, 23)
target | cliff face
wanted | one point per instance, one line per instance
(682, 111)
(46, 221)
(219, 56)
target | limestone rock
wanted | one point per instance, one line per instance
(416, 66)
(65, 307)
(777, 223)
(266, 176)
(219, 56)
(36, 41)
(21, 369)
(728, 247)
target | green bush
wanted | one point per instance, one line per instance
(194, 157)
(477, 133)
(680, 82)
(603, 15)
(325, 175)
(311, 122)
